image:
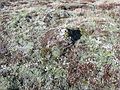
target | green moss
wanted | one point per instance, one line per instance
(84, 32)
(44, 51)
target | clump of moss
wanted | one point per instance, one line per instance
(45, 51)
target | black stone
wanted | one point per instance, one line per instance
(75, 35)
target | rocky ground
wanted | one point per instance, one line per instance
(59, 44)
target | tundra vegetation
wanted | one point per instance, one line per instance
(59, 44)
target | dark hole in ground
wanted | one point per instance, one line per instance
(75, 34)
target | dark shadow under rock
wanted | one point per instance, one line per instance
(74, 34)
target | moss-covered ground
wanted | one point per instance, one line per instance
(59, 44)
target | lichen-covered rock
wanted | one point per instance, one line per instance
(61, 37)
(53, 37)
